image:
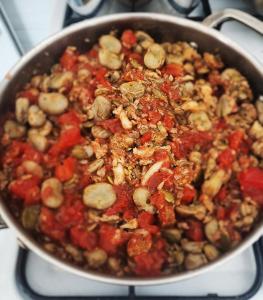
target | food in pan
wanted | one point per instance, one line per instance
(135, 157)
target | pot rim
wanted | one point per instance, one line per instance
(34, 246)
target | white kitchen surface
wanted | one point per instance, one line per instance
(33, 20)
(9, 52)
(8, 250)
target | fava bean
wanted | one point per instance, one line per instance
(101, 108)
(96, 258)
(154, 57)
(39, 142)
(111, 43)
(36, 116)
(51, 193)
(53, 103)
(22, 105)
(14, 130)
(99, 195)
(109, 59)
(140, 197)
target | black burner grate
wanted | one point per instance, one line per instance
(71, 17)
(27, 291)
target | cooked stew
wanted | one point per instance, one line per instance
(135, 158)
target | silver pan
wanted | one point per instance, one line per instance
(162, 28)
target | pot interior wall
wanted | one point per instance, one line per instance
(162, 31)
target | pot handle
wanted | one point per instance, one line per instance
(217, 18)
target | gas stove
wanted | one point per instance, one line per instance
(29, 277)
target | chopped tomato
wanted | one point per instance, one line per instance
(221, 195)
(161, 155)
(100, 77)
(154, 181)
(26, 189)
(128, 38)
(65, 170)
(188, 195)
(157, 199)
(195, 231)
(113, 125)
(83, 238)
(71, 215)
(165, 87)
(69, 118)
(177, 149)
(174, 93)
(18, 152)
(149, 104)
(31, 94)
(168, 180)
(106, 238)
(168, 122)
(129, 214)
(171, 91)
(173, 69)
(93, 53)
(188, 140)
(245, 145)
(149, 264)
(69, 59)
(225, 159)
(221, 125)
(13, 154)
(88, 66)
(123, 203)
(29, 153)
(167, 215)
(160, 244)
(67, 139)
(221, 213)
(111, 238)
(146, 220)
(235, 139)
(251, 183)
(84, 181)
(145, 138)
(135, 56)
(158, 178)
(50, 226)
(139, 243)
(165, 209)
(154, 116)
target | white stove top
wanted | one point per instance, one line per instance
(33, 22)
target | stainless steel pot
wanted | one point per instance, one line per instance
(163, 28)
